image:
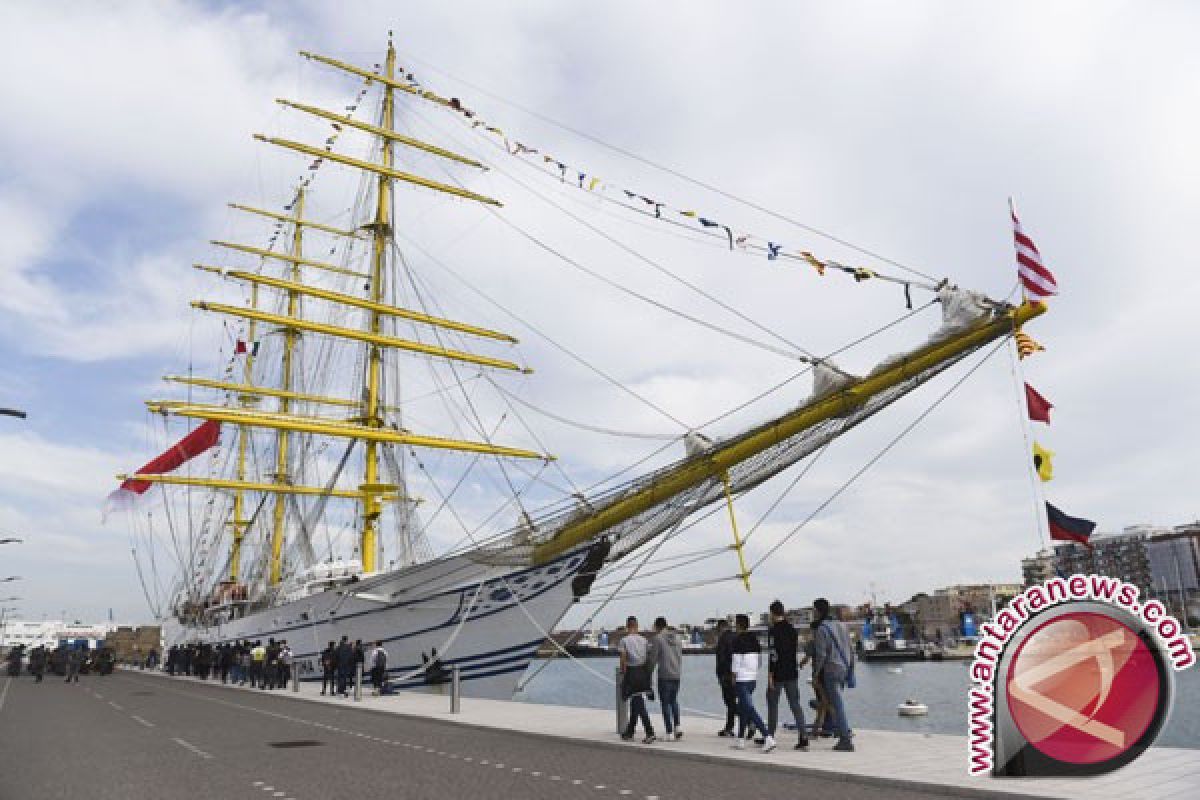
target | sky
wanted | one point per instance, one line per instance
(901, 128)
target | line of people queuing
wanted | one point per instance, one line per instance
(739, 658)
(268, 666)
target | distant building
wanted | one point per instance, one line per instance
(1038, 568)
(1162, 562)
(48, 633)
(1118, 555)
(940, 613)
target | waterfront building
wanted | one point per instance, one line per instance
(940, 613)
(48, 633)
(1163, 562)
(1119, 555)
(1038, 568)
(1175, 570)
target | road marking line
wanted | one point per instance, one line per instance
(114, 705)
(144, 722)
(600, 786)
(536, 774)
(258, 783)
(577, 782)
(192, 747)
(4, 694)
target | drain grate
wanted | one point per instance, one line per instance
(297, 743)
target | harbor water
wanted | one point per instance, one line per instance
(941, 685)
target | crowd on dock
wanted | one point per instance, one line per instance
(65, 661)
(655, 662)
(272, 666)
(243, 662)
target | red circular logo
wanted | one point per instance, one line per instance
(1083, 688)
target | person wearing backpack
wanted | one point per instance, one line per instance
(378, 661)
(833, 666)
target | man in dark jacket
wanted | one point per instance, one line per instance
(271, 667)
(329, 668)
(725, 638)
(783, 673)
(345, 665)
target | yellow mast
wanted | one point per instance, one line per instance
(240, 522)
(371, 417)
(290, 335)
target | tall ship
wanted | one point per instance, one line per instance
(337, 473)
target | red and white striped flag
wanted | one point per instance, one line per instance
(1037, 281)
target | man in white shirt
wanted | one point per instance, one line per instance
(635, 679)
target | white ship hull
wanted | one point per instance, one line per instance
(486, 620)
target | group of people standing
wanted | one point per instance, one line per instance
(69, 661)
(739, 655)
(268, 666)
(340, 662)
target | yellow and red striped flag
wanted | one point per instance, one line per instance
(1026, 346)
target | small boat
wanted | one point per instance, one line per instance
(911, 708)
(896, 670)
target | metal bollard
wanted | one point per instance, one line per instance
(296, 677)
(358, 683)
(622, 706)
(455, 691)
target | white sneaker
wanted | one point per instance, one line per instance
(740, 744)
(768, 744)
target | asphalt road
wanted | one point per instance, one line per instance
(128, 735)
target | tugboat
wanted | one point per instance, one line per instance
(883, 639)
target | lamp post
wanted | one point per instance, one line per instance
(11, 578)
(11, 540)
(12, 412)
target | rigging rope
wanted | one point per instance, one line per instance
(875, 459)
(553, 343)
(670, 437)
(678, 174)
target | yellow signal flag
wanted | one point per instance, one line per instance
(1026, 346)
(1043, 462)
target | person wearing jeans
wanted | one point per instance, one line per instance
(833, 662)
(783, 674)
(745, 674)
(633, 651)
(667, 655)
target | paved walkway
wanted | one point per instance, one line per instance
(111, 737)
(922, 762)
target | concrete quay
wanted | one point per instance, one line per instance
(191, 738)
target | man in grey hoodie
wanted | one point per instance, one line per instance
(833, 663)
(667, 655)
